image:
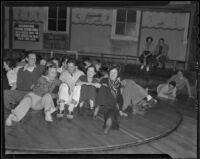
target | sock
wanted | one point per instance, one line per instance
(149, 97)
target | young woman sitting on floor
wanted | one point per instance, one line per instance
(110, 100)
(40, 98)
(88, 84)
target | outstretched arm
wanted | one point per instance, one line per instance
(188, 88)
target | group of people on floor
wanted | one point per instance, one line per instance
(70, 85)
(153, 56)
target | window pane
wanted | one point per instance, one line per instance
(130, 29)
(52, 24)
(62, 12)
(52, 12)
(121, 15)
(131, 16)
(61, 25)
(120, 28)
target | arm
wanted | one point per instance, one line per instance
(188, 88)
(14, 86)
(171, 79)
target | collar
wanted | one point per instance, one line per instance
(29, 69)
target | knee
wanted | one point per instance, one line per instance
(6, 93)
(47, 96)
(63, 86)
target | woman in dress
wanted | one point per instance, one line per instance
(110, 100)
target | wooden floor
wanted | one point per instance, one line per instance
(85, 135)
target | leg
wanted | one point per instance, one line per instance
(48, 105)
(96, 111)
(148, 62)
(21, 110)
(64, 98)
(141, 59)
(75, 100)
(162, 61)
(91, 96)
(13, 96)
(108, 125)
(126, 94)
(64, 93)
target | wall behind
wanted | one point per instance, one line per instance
(91, 32)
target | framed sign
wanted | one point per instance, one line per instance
(26, 32)
(55, 41)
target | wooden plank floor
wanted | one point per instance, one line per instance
(181, 143)
(33, 134)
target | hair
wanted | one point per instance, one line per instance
(10, 62)
(162, 39)
(179, 70)
(55, 58)
(72, 61)
(91, 66)
(38, 58)
(64, 58)
(87, 59)
(149, 37)
(47, 67)
(173, 83)
(30, 53)
(114, 67)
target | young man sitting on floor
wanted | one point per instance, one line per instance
(167, 90)
(69, 93)
(27, 77)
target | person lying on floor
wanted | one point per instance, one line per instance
(136, 96)
(109, 100)
(88, 87)
(69, 93)
(181, 83)
(40, 98)
(167, 90)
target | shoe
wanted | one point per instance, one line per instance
(9, 120)
(152, 102)
(48, 117)
(142, 67)
(123, 114)
(70, 116)
(53, 109)
(147, 68)
(60, 115)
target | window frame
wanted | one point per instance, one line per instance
(125, 37)
(67, 21)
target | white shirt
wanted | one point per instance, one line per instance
(12, 75)
(69, 79)
(30, 69)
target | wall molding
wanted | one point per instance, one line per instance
(91, 24)
(174, 29)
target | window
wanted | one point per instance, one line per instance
(125, 24)
(57, 19)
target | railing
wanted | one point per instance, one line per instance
(104, 57)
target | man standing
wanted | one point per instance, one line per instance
(27, 76)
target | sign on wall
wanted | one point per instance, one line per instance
(91, 16)
(55, 41)
(26, 32)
